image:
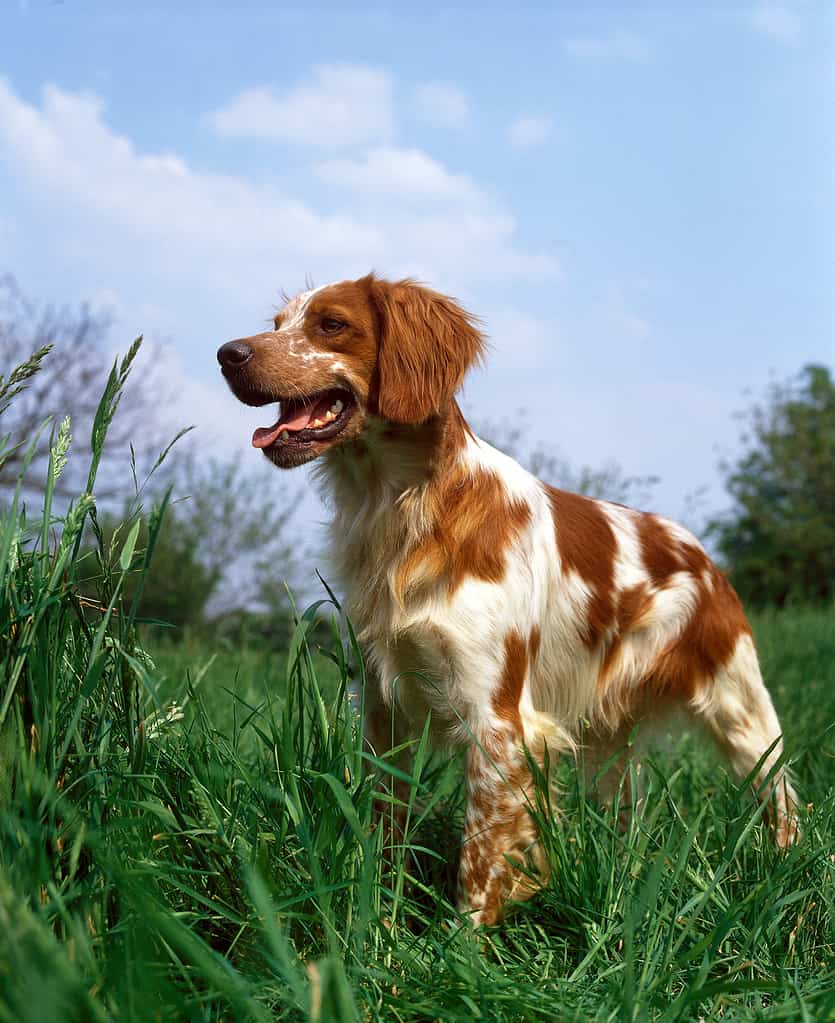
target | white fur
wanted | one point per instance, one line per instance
(444, 654)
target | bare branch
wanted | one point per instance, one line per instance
(69, 383)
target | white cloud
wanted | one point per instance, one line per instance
(451, 247)
(341, 105)
(442, 103)
(777, 21)
(197, 257)
(617, 45)
(400, 172)
(66, 150)
(153, 224)
(529, 131)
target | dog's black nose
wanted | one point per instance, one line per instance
(234, 354)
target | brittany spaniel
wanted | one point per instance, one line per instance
(518, 615)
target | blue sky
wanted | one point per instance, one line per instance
(638, 201)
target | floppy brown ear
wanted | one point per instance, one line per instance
(427, 343)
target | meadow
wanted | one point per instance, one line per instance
(186, 829)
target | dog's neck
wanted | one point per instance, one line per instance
(383, 490)
(391, 462)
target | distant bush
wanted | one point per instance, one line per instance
(222, 558)
(778, 540)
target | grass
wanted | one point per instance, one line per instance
(186, 834)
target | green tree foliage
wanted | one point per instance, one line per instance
(234, 517)
(778, 541)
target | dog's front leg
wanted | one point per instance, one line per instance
(500, 836)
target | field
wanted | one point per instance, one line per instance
(186, 834)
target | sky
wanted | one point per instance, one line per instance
(636, 199)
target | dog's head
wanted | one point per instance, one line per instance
(347, 351)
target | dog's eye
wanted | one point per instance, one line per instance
(330, 325)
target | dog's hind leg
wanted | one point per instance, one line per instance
(737, 710)
(605, 758)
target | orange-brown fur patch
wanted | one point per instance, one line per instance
(663, 554)
(427, 342)
(509, 693)
(474, 522)
(534, 641)
(278, 370)
(709, 637)
(586, 545)
(632, 605)
(706, 642)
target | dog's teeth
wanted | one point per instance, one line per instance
(337, 406)
(284, 435)
(316, 424)
(329, 416)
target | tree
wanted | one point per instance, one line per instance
(778, 540)
(225, 514)
(70, 382)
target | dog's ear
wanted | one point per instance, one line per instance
(427, 342)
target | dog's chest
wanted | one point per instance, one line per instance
(373, 602)
(403, 637)
(367, 541)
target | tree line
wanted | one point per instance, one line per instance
(225, 557)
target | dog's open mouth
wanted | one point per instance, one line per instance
(315, 417)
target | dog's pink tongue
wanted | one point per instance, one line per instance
(266, 435)
(295, 419)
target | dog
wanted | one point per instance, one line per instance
(521, 617)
